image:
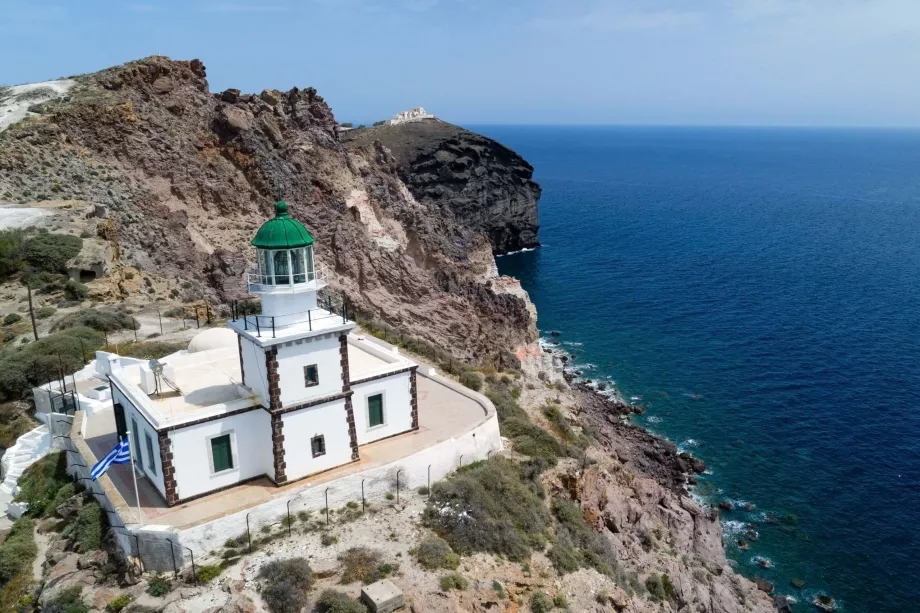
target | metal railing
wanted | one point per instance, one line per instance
(316, 279)
(317, 318)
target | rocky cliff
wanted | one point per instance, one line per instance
(480, 184)
(181, 178)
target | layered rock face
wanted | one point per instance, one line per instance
(482, 185)
(183, 178)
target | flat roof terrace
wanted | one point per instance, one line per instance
(444, 413)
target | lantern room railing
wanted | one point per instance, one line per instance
(288, 282)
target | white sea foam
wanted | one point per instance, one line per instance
(573, 344)
(733, 527)
(654, 419)
(762, 562)
(687, 444)
(524, 250)
(635, 398)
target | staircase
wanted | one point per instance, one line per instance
(29, 448)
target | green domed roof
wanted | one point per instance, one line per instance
(282, 231)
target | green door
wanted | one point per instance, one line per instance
(221, 452)
(375, 410)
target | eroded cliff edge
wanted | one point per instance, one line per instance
(483, 185)
(181, 177)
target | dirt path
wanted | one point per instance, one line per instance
(43, 541)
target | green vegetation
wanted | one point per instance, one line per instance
(68, 601)
(364, 565)
(379, 123)
(453, 581)
(159, 585)
(105, 319)
(50, 252)
(76, 290)
(18, 550)
(43, 484)
(540, 603)
(472, 380)
(90, 526)
(498, 589)
(578, 544)
(118, 603)
(327, 539)
(11, 319)
(528, 438)
(347, 124)
(150, 350)
(25, 367)
(207, 572)
(14, 422)
(45, 312)
(286, 584)
(660, 587)
(560, 601)
(422, 490)
(333, 601)
(434, 552)
(489, 506)
(11, 261)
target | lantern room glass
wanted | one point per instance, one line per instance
(286, 266)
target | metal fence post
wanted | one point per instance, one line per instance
(248, 534)
(137, 545)
(194, 570)
(197, 321)
(429, 480)
(397, 485)
(175, 565)
(160, 318)
(327, 506)
(288, 505)
(461, 462)
(363, 503)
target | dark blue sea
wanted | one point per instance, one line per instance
(758, 291)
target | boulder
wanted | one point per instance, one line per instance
(230, 95)
(70, 507)
(763, 585)
(271, 96)
(163, 85)
(235, 119)
(92, 559)
(233, 586)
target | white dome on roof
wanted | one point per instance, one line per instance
(215, 338)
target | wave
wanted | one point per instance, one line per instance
(573, 344)
(654, 419)
(524, 250)
(687, 445)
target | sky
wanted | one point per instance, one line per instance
(659, 62)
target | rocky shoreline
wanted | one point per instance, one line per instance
(603, 410)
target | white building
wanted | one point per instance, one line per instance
(416, 114)
(285, 395)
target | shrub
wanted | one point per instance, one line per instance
(159, 585)
(660, 587)
(50, 252)
(488, 507)
(68, 601)
(434, 552)
(207, 572)
(118, 603)
(11, 319)
(333, 601)
(150, 350)
(25, 367)
(360, 564)
(41, 483)
(107, 319)
(532, 440)
(472, 380)
(560, 601)
(422, 490)
(578, 544)
(328, 539)
(498, 589)
(453, 581)
(18, 550)
(76, 290)
(14, 422)
(90, 527)
(10, 252)
(540, 603)
(287, 584)
(45, 312)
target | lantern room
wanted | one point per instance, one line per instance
(284, 257)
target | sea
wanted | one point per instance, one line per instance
(757, 290)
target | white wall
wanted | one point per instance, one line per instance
(329, 420)
(397, 407)
(324, 351)
(141, 457)
(254, 373)
(252, 452)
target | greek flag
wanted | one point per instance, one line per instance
(119, 455)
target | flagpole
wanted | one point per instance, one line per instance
(137, 495)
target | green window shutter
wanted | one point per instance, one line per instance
(375, 410)
(310, 375)
(151, 464)
(220, 450)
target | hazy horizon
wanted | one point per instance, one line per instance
(745, 63)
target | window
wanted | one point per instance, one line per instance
(151, 464)
(318, 444)
(310, 375)
(375, 410)
(282, 268)
(221, 453)
(136, 452)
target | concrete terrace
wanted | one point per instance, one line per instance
(444, 413)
